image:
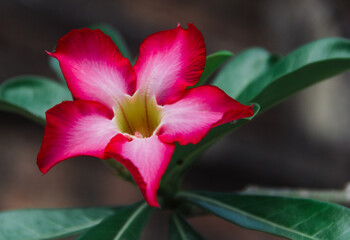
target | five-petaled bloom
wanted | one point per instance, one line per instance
(134, 114)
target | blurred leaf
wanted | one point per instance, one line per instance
(31, 96)
(328, 195)
(179, 229)
(241, 70)
(298, 219)
(55, 66)
(116, 37)
(126, 223)
(42, 224)
(303, 67)
(213, 62)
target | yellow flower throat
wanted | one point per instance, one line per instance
(138, 115)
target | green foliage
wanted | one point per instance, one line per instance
(212, 63)
(297, 219)
(252, 77)
(303, 67)
(240, 71)
(179, 229)
(126, 223)
(31, 96)
(42, 224)
(55, 66)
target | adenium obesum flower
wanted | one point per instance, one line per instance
(133, 114)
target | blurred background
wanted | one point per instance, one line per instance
(301, 143)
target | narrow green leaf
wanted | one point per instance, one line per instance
(43, 224)
(303, 67)
(297, 219)
(125, 223)
(179, 229)
(241, 70)
(116, 37)
(31, 96)
(55, 66)
(213, 62)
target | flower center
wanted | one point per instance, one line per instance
(138, 115)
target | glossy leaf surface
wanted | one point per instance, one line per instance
(297, 219)
(42, 224)
(31, 96)
(241, 70)
(179, 229)
(212, 63)
(303, 67)
(126, 223)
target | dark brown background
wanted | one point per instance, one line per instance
(303, 142)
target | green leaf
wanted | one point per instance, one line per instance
(241, 70)
(42, 224)
(31, 96)
(213, 62)
(179, 229)
(303, 67)
(298, 219)
(55, 66)
(116, 37)
(126, 223)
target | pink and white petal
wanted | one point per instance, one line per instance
(169, 61)
(93, 67)
(145, 158)
(74, 129)
(200, 109)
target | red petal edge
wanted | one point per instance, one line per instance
(200, 109)
(145, 158)
(93, 66)
(75, 129)
(170, 61)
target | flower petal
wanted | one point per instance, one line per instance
(74, 129)
(200, 109)
(93, 67)
(145, 158)
(169, 61)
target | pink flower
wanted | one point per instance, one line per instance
(133, 114)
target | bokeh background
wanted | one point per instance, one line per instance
(301, 143)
